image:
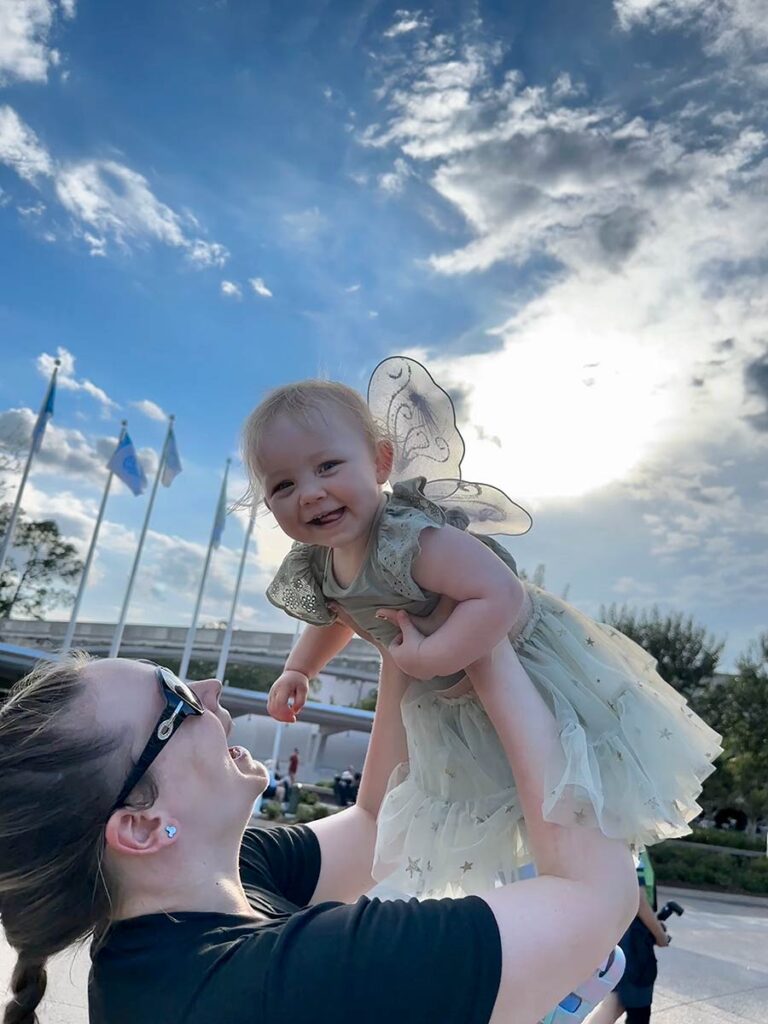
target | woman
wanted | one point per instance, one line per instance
(123, 814)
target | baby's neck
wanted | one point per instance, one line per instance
(347, 561)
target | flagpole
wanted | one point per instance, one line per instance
(69, 635)
(119, 629)
(222, 665)
(185, 658)
(33, 448)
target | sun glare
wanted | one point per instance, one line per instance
(553, 422)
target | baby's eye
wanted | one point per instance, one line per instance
(330, 464)
(282, 486)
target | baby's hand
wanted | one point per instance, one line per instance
(405, 649)
(287, 695)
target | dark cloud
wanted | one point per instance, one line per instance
(460, 394)
(726, 345)
(697, 382)
(756, 385)
(620, 232)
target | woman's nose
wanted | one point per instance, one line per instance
(208, 690)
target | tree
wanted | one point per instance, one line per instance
(9, 464)
(41, 568)
(738, 708)
(687, 656)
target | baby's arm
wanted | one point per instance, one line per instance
(456, 564)
(312, 652)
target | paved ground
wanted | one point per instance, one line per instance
(715, 971)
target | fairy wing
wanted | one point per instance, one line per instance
(418, 416)
(488, 509)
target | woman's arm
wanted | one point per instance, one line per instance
(347, 838)
(557, 928)
(456, 564)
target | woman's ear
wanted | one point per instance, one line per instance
(134, 832)
(385, 457)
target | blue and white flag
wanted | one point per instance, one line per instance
(125, 465)
(172, 466)
(221, 516)
(43, 416)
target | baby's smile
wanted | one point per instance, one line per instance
(328, 518)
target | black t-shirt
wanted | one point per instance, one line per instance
(370, 962)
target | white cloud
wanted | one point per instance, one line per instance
(231, 290)
(67, 381)
(25, 28)
(258, 285)
(405, 22)
(20, 148)
(731, 28)
(106, 199)
(304, 226)
(394, 181)
(352, 289)
(64, 450)
(34, 210)
(151, 409)
(649, 229)
(207, 254)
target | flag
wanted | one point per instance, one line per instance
(125, 464)
(221, 516)
(172, 466)
(43, 416)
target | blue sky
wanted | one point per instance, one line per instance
(557, 206)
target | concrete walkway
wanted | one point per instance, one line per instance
(714, 972)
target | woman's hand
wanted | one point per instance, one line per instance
(350, 623)
(406, 649)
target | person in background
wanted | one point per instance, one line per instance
(634, 993)
(293, 766)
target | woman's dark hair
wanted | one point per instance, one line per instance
(58, 781)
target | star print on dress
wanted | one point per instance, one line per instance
(413, 866)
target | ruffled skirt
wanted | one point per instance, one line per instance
(634, 760)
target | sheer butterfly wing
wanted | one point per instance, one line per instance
(488, 509)
(418, 417)
(420, 420)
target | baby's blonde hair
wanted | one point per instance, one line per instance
(299, 401)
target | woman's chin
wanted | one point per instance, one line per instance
(260, 777)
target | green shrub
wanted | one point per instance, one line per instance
(272, 810)
(721, 837)
(678, 864)
(311, 812)
(308, 797)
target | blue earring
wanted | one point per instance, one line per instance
(171, 830)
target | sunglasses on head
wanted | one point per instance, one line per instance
(180, 702)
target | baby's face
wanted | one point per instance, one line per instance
(321, 479)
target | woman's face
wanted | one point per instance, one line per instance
(202, 783)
